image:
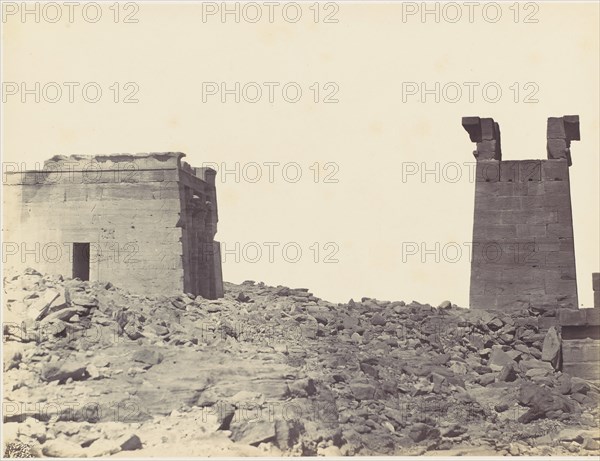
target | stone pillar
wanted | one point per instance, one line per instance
(560, 132)
(200, 273)
(486, 133)
(212, 248)
(523, 253)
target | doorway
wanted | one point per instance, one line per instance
(81, 261)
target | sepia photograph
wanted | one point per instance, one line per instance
(264, 229)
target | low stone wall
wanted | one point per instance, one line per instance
(581, 342)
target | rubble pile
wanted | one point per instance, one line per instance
(92, 370)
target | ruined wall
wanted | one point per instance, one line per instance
(580, 332)
(126, 206)
(199, 217)
(523, 251)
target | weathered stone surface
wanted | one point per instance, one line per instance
(551, 348)
(420, 431)
(62, 371)
(499, 359)
(63, 449)
(253, 432)
(421, 383)
(508, 373)
(581, 342)
(378, 319)
(39, 308)
(129, 442)
(148, 357)
(523, 252)
(151, 211)
(445, 305)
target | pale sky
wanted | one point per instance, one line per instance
(368, 60)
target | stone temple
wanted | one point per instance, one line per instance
(145, 222)
(523, 250)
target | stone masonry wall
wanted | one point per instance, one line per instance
(523, 250)
(127, 207)
(580, 331)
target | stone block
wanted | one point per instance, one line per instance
(487, 171)
(490, 217)
(567, 273)
(489, 234)
(555, 170)
(531, 230)
(581, 350)
(509, 171)
(555, 128)
(592, 316)
(488, 150)
(473, 126)
(514, 216)
(530, 170)
(572, 127)
(478, 301)
(585, 370)
(558, 149)
(596, 281)
(560, 230)
(576, 332)
(557, 189)
(562, 287)
(533, 202)
(535, 188)
(489, 129)
(545, 323)
(541, 217)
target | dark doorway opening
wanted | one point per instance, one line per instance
(81, 261)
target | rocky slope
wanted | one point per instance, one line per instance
(91, 370)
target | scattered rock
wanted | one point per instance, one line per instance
(63, 371)
(421, 431)
(62, 448)
(487, 378)
(253, 432)
(363, 378)
(445, 305)
(499, 359)
(148, 357)
(378, 319)
(362, 391)
(39, 309)
(508, 373)
(241, 297)
(129, 442)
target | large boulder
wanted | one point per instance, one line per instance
(551, 349)
(499, 359)
(253, 432)
(541, 402)
(421, 431)
(148, 357)
(62, 371)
